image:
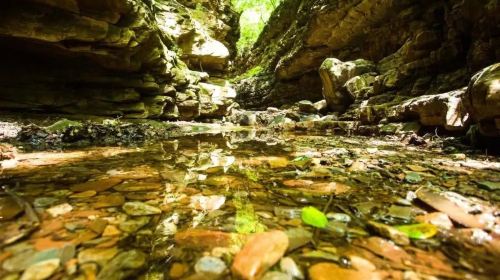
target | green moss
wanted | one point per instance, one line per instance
(250, 73)
(62, 125)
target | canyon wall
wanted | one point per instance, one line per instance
(125, 58)
(417, 47)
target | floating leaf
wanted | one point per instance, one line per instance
(312, 216)
(413, 178)
(418, 231)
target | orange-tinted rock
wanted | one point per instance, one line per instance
(329, 271)
(261, 251)
(439, 219)
(135, 186)
(85, 194)
(46, 243)
(384, 248)
(177, 270)
(98, 186)
(232, 182)
(298, 183)
(112, 200)
(48, 226)
(111, 230)
(457, 208)
(317, 188)
(98, 225)
(206, 239)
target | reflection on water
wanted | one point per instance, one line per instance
(221, 206)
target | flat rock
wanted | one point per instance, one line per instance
(41, 270)
(328, 271)
(9, 208)
(206, 239)
(137, 186)
(98, 185)
(97, 255)
(261, 251)
(105, 201)
(136, 208)
(210, 265)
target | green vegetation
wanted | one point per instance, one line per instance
(254, 16)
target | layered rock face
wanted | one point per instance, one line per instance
(107, 57)
(417, 48)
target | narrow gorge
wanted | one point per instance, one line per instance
(245, 139)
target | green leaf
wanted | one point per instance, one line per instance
(413, 178)
(313, 217)
(418, 231)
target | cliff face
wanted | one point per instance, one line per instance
(418, 47)
(111, 57)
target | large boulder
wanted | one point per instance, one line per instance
(335, 74)
(482, 100)
(444, 110)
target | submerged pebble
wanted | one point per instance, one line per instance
(210, 265)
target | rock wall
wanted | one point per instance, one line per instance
(418, 46)
(109, 57)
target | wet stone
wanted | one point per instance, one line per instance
(134, 186)
(298, 237)
(41, 270)
(390, 232)
(327, 271)
(290, 267)
(60, 209)
(261, 251)
(97, 255)
(133, 225)
(339, 217)
(105, 201)
(197, 238)
(210, 265)
(85, 194)
(98, 185)
(441, 220)
(140, 209)
(43, 202)
(9, 208)
(276, 275)
(123, 264)
(177, 270)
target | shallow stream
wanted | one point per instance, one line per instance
(191, 208)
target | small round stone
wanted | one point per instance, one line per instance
(211, 265)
